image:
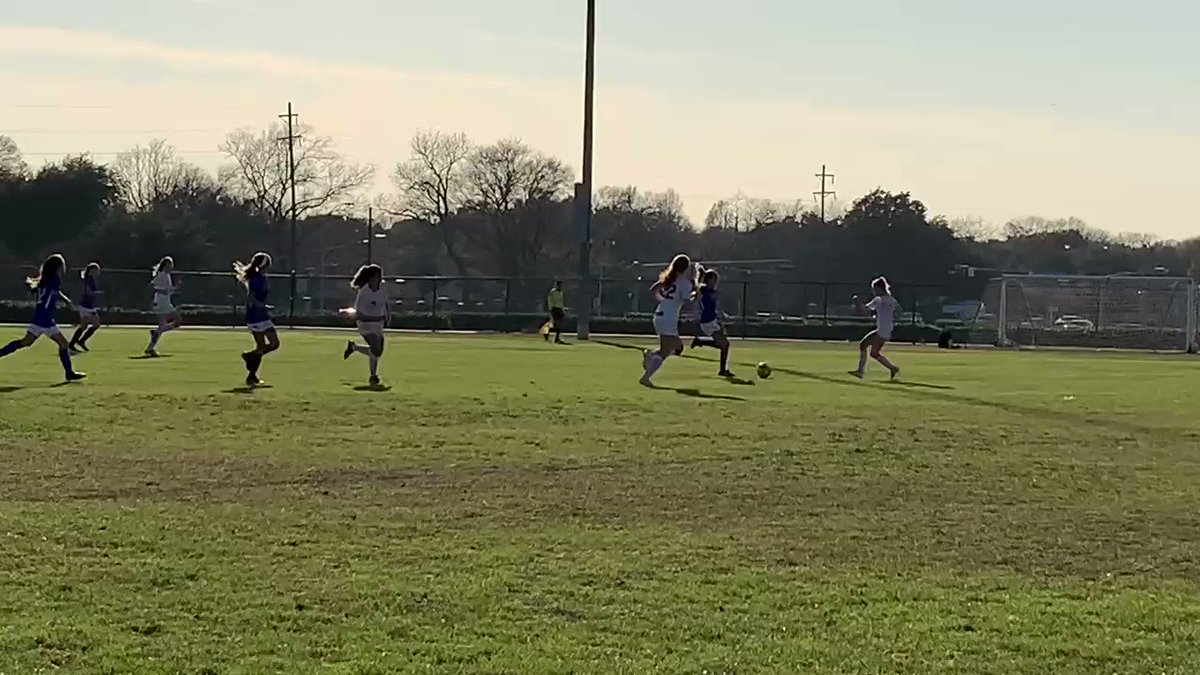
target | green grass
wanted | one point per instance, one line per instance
(512, 507)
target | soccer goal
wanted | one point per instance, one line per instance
(1118, 312)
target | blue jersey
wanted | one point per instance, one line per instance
(257, 289)
(47, 302)
(88, 301)
(708, 305)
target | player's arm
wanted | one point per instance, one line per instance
(66, 299)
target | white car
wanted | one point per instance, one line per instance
(1073, 324)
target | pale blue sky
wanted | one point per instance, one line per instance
(943, 90)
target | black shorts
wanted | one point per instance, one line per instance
(556, 316)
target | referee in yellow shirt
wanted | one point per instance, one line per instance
(558, 311)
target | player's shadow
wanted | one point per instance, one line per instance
(8, 389)
(147, 357)
(64, 383)
(246, 390)
(918, 385)
(373, 388)
(696, 393)
(741, 382)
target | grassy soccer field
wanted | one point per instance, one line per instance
(513, 507)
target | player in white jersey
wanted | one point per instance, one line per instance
(885, 308)
(372, 313)
(675, 288)
(168, 317)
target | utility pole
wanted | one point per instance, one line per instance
(370, 232)
(291, 141)
(824, 193)
(583, 190)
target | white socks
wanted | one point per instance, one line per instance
(653, 363)
(374, 360)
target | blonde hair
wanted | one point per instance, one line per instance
(258, 262)
(678, 265)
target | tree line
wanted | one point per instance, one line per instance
(461, 208)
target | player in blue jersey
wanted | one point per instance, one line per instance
(89, 316)
(711, 329)
(46, 285)
(258, 313)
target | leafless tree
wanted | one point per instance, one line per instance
(742, 213)
(325, 179)
(516, 190)
(145, 175)
(12, 165)
(432, 185)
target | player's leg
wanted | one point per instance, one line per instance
(721, 341)
(557, 316)
(80, 331)
(93, 325)
(863, 346)
(375, 346)
(64, 354)
(877, 354)
(20, 343)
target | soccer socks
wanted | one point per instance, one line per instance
(362, 349)
(653, 363)
(77, 338)
(64, 355)
(88, 333)
(884, 360)
(11, 347)
(862, 361)
(724, 360)
(374, 360)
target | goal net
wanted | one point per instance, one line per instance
(1119, 312)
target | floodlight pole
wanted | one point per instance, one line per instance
(583, 189)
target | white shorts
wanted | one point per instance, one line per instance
(38, 331)
(261, 326)
(85, 313)
(370, 328)
(666, 326)
(162, 305)
(711, 328)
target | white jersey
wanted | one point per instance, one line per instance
(162, 285)
(885, 308)
(371, 304)
(672, 298)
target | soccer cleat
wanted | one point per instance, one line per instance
(726, 373)
(858, 374)
(646, 383)
(252, 380)
(895, 373)
(151, 353)
(75, 376)
(84, 347)
(349, 350)
(695, 342)
(74, 349)
(374, 381)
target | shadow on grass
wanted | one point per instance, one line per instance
(377, 388)
(943, 393)
(696, 393)
(247, 389)
(147, 357)
(10, 389)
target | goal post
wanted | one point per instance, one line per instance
(1117, 312)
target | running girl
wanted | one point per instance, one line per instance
(674, 288)
(372, 314)
(89, 317)
(710, 320)
(47, 284)
(885, 308)
(258, 313)
(168, 318)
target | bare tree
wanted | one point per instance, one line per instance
(147, 175)
(12, 165)
(324, 178)
(516, 189)
(743, 213)
(432, 185)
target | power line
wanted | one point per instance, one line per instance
(75, 153)
(108, 131)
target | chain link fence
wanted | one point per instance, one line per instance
(509, 304)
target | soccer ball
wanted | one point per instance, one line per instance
(764, 370)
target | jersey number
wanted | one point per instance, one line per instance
(668, 292)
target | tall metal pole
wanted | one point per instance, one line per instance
(583, 191)
(293, 262)
(370, 232)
